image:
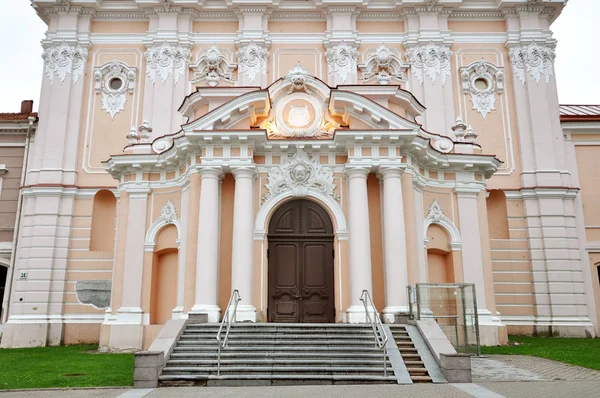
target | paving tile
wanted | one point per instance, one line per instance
(547, 368)
(336, 391)
(553, 389)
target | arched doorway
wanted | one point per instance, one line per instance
(301, 275)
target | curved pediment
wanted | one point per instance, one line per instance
(299, 106)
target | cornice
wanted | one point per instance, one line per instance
(138, 9)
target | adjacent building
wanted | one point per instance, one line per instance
(300, 153)
(16, 133)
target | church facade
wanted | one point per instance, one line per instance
(300, 153)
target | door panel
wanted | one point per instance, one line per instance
(284, 277)
(301, 264)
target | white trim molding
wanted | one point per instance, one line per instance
(436, 216)
(168, 216)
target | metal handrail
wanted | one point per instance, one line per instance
(379, 333)
(228, 319)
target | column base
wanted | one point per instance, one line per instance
(213, 312)
(130, 315)
(356, 314)
(245, 313)
(125, 338)
(177, 313)
(22, 335)
(491, 329)
(395, 314)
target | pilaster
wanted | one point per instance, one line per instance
(253, 44)
(36, 302)
(549, 200)
(168, 53)
(341, 43)
(428, 52)
(126, 332)
(474, 264)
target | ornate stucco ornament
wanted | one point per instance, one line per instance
(341, 60)
(213, 66)
(435, 214)
(169, 212)
(114, 80)
(431, 60)
(140, 134)
(482, 80)
(463, 133)
(167, 59)
(299, 174)
(299, 115)
(383, 65)
(63, 59)
(252, 60)
(534, 58)
(297, 77)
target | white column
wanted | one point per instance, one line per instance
(207, 263)
(130, 311)
(242, 267)
(394, 235)
(359, 242)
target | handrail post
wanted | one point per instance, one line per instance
(229, 317)
(379, 333)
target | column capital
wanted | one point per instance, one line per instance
(137, 191)
(468, 191)
(390, 172)
(244, 172)
(357, 171)
(210, 172)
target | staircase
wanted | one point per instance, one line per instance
(266, 354)
(412, 359)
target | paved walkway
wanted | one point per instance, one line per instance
(543, 389)
(527, 368)
(495, 376)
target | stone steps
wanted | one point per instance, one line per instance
(412, 359)
(273, 355)
(377, 370)
(271, 379)
(279, 362)
(259, 354)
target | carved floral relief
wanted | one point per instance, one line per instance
(341, 60)
(252, 60)
(299, 174)
(63, 59)
(537, 59)
(429, 61)
(167, 59)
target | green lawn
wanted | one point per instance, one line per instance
(581, 352)
(70, 366)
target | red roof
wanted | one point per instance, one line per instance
(16, 117)
(569, 113)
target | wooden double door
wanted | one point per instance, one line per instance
(301, 254)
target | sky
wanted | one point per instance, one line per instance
(21, 66)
